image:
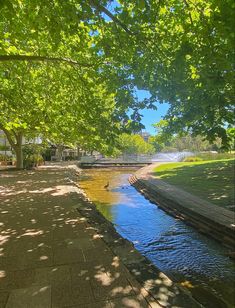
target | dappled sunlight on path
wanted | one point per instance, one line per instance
(49, 255)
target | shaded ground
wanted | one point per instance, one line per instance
(49, 255)
(212, 181)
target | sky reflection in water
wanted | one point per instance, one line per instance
(177, 249)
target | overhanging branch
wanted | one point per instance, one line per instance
(4, 58)
(8, 135)
(101, 8)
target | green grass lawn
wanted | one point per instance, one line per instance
(209, 180)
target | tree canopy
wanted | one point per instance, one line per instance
(187, 59)
(57, 103)
(70, 69)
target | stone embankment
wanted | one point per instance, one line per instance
(207, 218)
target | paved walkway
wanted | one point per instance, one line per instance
(49, 255)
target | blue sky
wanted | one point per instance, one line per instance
(152, 116)
(149, 116)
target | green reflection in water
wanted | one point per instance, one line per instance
(104, 199)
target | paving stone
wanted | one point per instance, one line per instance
(6, 277)
(52, 275)
(67, 293)
(22, 279)
(98, 242)
(7, 262)
(82, 292)
(152, 302)
(35, 259)
(105, 287)
(129, 302)
(32, 297)
(67, 256)
(3, 298)
(65, 231)
(83, 243)
(104, 254)
(61, 294)
(28, 246)
(102, 304)
(128, 254)
(87, 270)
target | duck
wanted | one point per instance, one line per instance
(107, 185)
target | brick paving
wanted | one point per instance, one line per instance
(50, 256)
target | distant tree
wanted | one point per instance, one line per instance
(134, 144)
(157, 142)
(162, 137)
(164, 141)
(191, 143)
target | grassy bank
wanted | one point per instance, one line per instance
(209, 180)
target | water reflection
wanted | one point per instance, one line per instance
(186, 256)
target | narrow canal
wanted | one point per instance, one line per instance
(187, 257)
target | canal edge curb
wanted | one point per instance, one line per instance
(164, 200)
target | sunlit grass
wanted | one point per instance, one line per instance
(210, 180)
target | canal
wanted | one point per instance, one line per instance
(186, 256)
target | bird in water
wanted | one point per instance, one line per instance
(106, 186)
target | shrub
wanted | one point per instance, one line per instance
(33, 160)
(32, 156)
(4, 147)
(192, 159)
(215, 156)
(4, 157)
(5, 160)
(69, 158)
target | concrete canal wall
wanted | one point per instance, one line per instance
(207, 218)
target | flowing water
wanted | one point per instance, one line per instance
(186, 256)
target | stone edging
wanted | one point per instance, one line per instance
(155, 284)
(203, 224)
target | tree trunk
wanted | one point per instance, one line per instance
(15, 140)
(60, 149)
(19, 156)
(19, 152)
(78, 153)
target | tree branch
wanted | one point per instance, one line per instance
(8, 135)
(190, 16)
(101, 8)
(4, 58)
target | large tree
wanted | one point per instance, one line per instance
(61, 104)
(181, 51)
(185, 56)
